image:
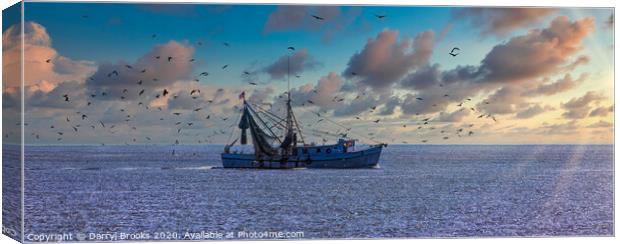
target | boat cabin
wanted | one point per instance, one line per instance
(343, 146)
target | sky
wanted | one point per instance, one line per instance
(375, 73)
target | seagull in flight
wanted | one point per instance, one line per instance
(453, 53)
(317, 17)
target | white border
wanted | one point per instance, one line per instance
(567, 3)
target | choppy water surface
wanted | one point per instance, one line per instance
(418, 191)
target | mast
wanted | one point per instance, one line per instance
(292, 129)
(289, 111)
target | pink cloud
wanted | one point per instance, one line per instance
(39, 73)
(540, 52)
(385, 59)
(501, 21)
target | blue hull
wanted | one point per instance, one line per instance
(367, 158)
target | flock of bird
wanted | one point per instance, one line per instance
(74, 123)
(425, 124)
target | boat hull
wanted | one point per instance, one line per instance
(367, 158)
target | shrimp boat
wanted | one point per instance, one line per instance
(273, 152)
(286, 151)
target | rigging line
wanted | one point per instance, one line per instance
(275, 118)
(323, 132)
(278, 124)
(261, 108)
(279, 128)
(349, 130)
(344, 127)
(298, 128)
(263, 122)
(310, 127)
(232, 129)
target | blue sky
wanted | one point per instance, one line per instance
(115, 32)
(119, 31)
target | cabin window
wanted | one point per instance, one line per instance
(318, 149)
(329, 150)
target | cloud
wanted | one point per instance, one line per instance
(568, 128)
(502, 21)
(540, 52)
(298, 62)
(285, 17)
(531, 112)
(55, 99)
(436, 98)
(466, 73)
(423, 78)
(511, 98)
(559, 86)
(209, 97)
(444, 32)
(344, 21)
(578, 108)
(357, 106)
(10, 100)
(601, 124)
(158, 73)
(601, 111)
(505, 100)
(322, 94)
(37, 50)
(430, 104)
(581, 60)
(384, 60)
(34, 34)
(455, 116)
(292, 17)
(389, 106)
(263, 95)
(511, 69)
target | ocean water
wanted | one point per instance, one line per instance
(418, 191)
